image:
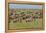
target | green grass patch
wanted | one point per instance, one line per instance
(34, 24)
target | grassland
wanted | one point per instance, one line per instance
(36, 23)
(22, 25)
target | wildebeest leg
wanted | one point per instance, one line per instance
(28, 21)
(20, 20)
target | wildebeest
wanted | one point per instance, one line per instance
(29, 18)
(15, 20)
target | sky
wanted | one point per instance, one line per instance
(13, 6)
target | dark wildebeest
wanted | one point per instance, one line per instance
(36, 16)
(29, 18)
(16, 18)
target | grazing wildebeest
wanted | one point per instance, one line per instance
(16, 18)
(36, 16)
(29, 18)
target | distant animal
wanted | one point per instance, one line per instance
(29, 19)
(15, 20)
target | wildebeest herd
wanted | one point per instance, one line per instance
(23, 16)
